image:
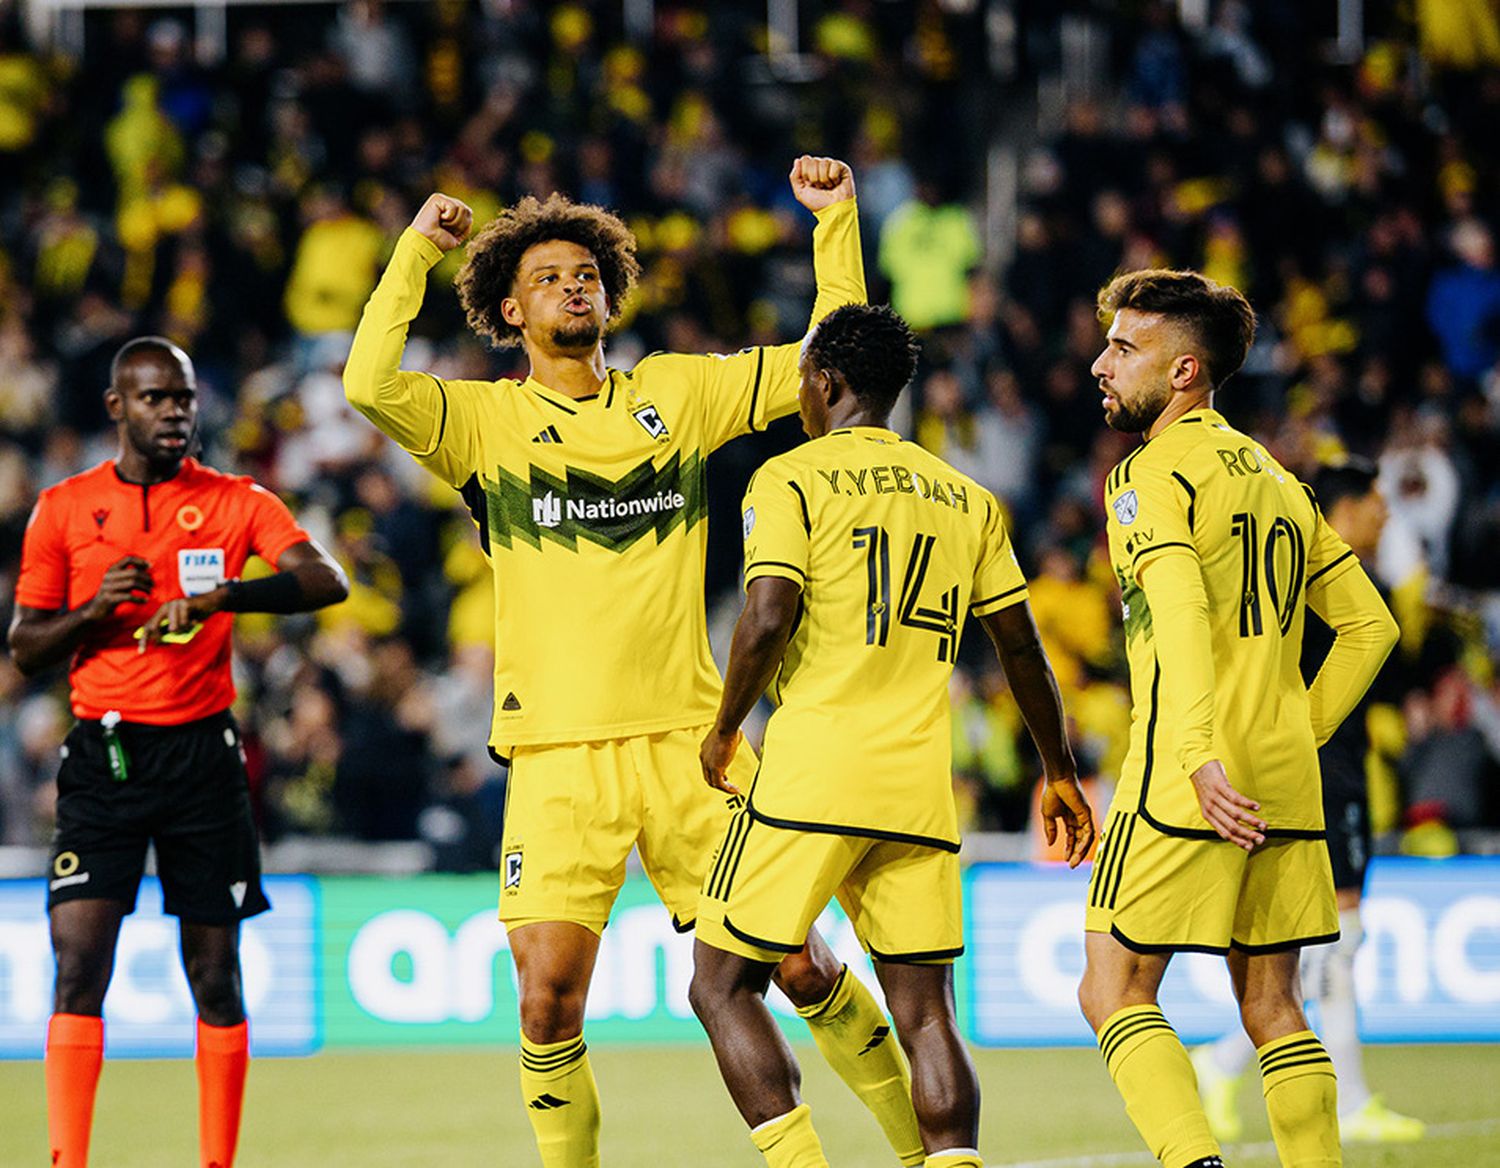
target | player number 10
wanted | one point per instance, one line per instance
(1283, 570)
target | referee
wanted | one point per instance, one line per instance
(155, 756)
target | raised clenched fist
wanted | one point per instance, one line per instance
(444, 220)
(821, 182)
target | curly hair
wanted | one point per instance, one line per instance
(1218, 316)
(494, 255)
(871, 347)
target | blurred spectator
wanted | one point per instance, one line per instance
(928, 246)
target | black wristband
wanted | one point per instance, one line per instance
(279, 593)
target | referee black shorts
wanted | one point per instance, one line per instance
(187, 793)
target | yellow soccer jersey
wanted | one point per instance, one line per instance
(892, 548)
(1202, 489)
(591, 511)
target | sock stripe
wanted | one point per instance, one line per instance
(1119, 863)
(1126, 1017)
(1116, 1034)
(1300, 1049)
(553, 1060)
(1267, 1072)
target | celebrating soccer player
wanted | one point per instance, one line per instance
(1214, 841)
(587, 485)
(863, 556)
(155, 756)
(1354, 507)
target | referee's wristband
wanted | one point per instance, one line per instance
(279, 593)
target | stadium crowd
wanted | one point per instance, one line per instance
(244, 207)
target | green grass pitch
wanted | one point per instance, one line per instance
(665, 1106)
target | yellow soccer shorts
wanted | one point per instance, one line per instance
(766, 886)
(1156, 892)
(573, 812)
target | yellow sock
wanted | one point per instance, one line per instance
(955, 1158)
(788, 1141)
(562, 1102)
(1155, 1077)
(856, 1040)
(1302, 1100)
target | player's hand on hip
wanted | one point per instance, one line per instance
(821, 182)
(1228, 812)
(1063, 802)
(444, 220)
(716, 753)
(127, 581)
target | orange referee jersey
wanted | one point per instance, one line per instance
(196, 530)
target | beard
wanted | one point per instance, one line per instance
(583, 333)
(1136, 417)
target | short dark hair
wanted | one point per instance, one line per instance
(1218, 316)
(1348, 478)
(160, 347)
(494, 255)
(871, 347)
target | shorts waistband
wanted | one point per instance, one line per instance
(224, 718)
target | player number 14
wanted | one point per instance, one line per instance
(911, 612)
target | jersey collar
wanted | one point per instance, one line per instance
(561, 400)
(1206, 416)
(875, 433)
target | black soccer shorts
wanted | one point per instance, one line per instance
(1349, 841)
(187, 793)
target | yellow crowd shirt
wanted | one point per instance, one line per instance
(892, 548)
(1218, 550)
(591, 511)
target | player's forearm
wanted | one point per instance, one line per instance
(760, 640)
(1365, 632)
(404, 405)
(1173, 583)
(1034, 686)
(39, 641)
(838, 262)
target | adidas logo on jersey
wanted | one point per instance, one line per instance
(511, 702)
(550, 434)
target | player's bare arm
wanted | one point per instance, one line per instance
(40, 638)
(1034, 686)
(444, 220)
(821, 182)
(760, 639)
(307, 579)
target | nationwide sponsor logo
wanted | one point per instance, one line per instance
(582, 506)
(546, 511)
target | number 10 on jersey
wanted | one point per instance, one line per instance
(911, 612)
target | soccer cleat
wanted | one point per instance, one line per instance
(1375, 1123)
(1220, 1094)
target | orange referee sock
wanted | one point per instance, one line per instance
(223, 1056)
(75, 1055)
